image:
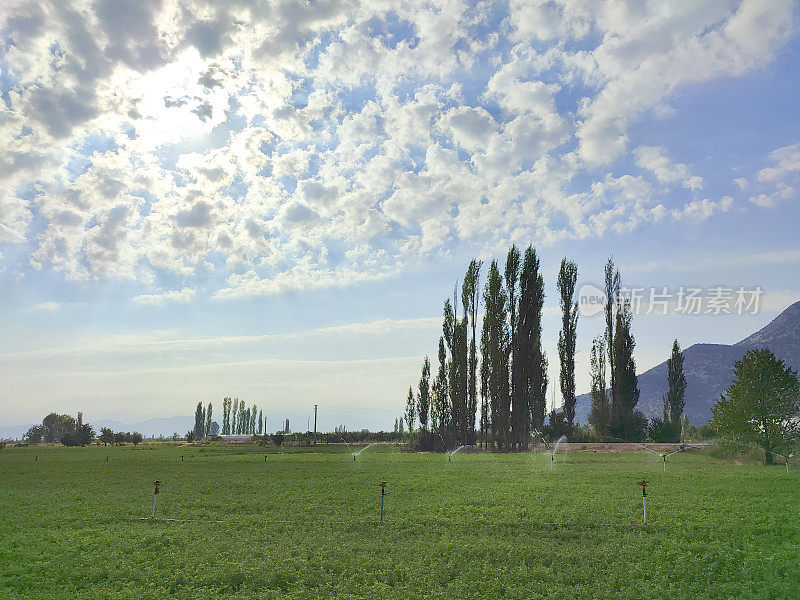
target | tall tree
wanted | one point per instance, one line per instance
(260, 422)
(207, 430)
(612, 286)
(442, 393)
(243, 418)
(199, 421)
(494, 298)
(518, 409)
(567, 337)
(470, 292)
(485, 425)
(674, 401)
(761, 405)
(450, 333)
(626, 423)
(226, 416)
(600, 406)
(234, 412)
(253, 417)
(411, 410)
(462, 355)
(532, 363)
(424, 394)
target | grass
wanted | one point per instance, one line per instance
(303, 525)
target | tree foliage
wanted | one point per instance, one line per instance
(761, 405)
(567, 337)
(674, 401)
(600, 411)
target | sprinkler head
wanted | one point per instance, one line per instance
(643, 484)
(383, 487)
(156, 483)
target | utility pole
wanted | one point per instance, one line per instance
(315, 424)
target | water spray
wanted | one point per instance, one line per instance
(644, 498)
(366, 448)
(155, 495)
(450, 456)
(383, 494)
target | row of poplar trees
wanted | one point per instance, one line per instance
(236, 419)
(504, 392)
(240, 420)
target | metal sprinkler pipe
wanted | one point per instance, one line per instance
(644, 498)
(155, 495)
(383, 494)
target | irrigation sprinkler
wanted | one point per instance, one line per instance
(155, 495)
(383, 494)
(644, 498)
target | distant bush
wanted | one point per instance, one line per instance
(277, 439)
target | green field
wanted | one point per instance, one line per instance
(303, 525)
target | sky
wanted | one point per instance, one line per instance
(271, 200)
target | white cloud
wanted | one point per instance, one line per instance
(655, 159)
(762, 201)
(786, 160)
(182, 296)
(293, 145)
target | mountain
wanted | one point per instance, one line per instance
(709, 369)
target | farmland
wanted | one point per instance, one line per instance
(241, 521)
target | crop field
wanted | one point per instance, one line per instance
(245, 522)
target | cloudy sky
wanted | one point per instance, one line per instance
(271, 200)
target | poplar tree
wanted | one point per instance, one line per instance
(449, 335)
(462, 349)
(470, 291)
(567, 337)
(517, 363)
(226, 416)
(442, 392)
(260, 422)
(253, 417)
(494, 298)
(532, 368)
(424, 394)
(485, 424)
(600, 411)
(411, 410)
(674, 401)
(626, 423)
(612, 285)
(234, 411)
(208, 420)
(199, 422)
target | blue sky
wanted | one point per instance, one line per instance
(271, 200)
